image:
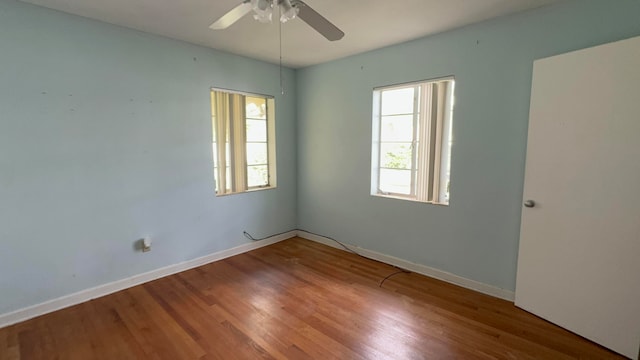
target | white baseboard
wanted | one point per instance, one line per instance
(109, 288)
(417, 268)
(106, 289)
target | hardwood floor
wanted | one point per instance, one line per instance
(294, 300)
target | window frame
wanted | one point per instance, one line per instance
(418, 119)
(231, 162)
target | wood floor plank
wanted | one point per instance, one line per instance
(112, 338)
(9, 345)
(265, 297)
(296, 299)
(210, 328)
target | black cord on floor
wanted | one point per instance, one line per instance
(400, 270)
(248, 236)
(338, 242)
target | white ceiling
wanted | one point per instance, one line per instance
(368, 24)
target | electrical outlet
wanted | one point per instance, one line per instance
(145, 244)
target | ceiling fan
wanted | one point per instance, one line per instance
(288, 10)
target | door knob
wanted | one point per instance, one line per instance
(529, 203)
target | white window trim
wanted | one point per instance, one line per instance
(443, 127)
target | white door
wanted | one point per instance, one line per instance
(579, 256)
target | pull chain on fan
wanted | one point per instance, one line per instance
(280, 43)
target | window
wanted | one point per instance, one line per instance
(411, 151)
(243, 141)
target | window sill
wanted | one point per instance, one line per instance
(406, 198)
(247, 191)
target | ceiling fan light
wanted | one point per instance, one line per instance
(289, 12)
(263, 10)
(263, 18)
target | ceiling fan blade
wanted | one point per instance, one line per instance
(232, 16)
(318, 22)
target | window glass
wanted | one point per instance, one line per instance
(398, 101)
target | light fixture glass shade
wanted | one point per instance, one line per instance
(263, 10)
(288, 11)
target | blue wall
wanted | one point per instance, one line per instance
(477, 235)
(105, 137)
